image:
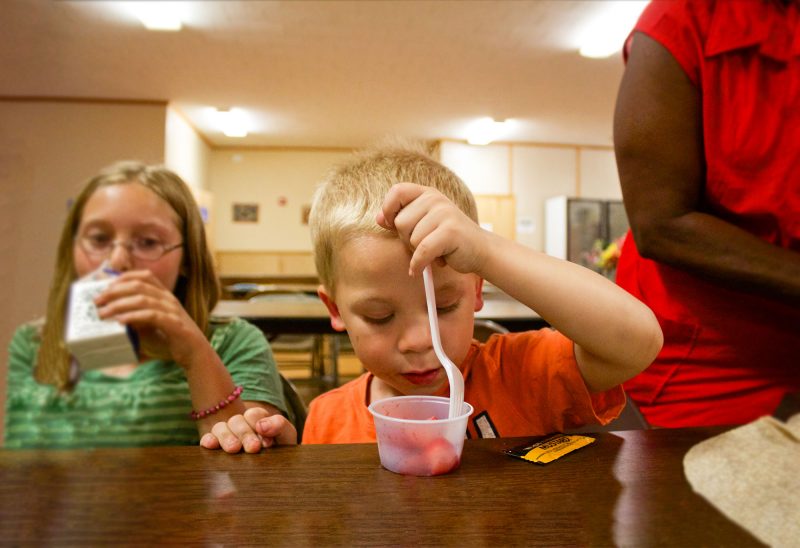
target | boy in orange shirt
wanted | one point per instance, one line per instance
(373, 233)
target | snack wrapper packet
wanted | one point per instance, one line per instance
(94, 342)
(550, 448)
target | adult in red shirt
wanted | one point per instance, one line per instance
(707, 138)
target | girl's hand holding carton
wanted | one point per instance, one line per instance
(138, 299)
(93, 341)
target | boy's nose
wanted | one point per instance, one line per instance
(416, 336)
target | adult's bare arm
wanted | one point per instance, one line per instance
(659, 147)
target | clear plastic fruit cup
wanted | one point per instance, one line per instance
(416, 437)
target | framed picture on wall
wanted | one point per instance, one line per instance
(245, 213)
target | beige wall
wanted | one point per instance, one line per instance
(185, 152)
(484, 169)
(47, 151)
(532, 173)
(266, 177)
(188, 155)
(598, 175)
(539, 173)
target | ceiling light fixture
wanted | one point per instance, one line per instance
(606, 33)
(232, 122)
(162, 16)
(485, 130)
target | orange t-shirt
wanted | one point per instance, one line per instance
(520, 384)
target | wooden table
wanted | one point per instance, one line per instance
(311, 316)
(628, 488)
(247, 290)
(232, 278)
(259, 283)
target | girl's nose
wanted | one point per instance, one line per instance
(416, 335)
(120, 258)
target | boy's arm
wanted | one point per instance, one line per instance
(615, 335)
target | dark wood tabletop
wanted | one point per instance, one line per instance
(627, 488)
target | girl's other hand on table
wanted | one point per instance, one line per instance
(257, 428)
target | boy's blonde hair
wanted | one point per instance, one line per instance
(197, 286)
(346, 202)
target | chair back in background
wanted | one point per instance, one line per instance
(483, 329)
(294, 350)
(629, 419)
(297, 408)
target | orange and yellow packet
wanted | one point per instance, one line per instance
(550, 448)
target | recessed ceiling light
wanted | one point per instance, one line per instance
(485, 130)
(606, 33)
(232, 122)
(163, 16)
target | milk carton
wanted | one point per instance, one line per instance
(92, 341)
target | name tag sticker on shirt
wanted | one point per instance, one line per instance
(550, 448)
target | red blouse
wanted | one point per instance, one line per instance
(744, 351)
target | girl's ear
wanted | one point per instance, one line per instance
(337, 323)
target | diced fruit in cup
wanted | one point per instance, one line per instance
(431, 459)
(441, 457)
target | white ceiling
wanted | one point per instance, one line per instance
(329, 73)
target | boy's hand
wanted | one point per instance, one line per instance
(434, 228)
(251, 431)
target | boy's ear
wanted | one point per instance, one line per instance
(478, 293)
(337, 323)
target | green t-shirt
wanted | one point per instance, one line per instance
(150, 407)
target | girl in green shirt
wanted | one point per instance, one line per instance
(143, 222)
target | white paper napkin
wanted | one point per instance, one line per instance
(752, 475)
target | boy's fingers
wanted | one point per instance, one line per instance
(398, 197)
(432, 249)
(385, 217)
(380, 218)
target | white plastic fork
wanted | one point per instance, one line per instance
(454, 375)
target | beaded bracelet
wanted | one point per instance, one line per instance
(197, 415)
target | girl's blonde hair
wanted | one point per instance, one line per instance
(346, 202)
(197, 286)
